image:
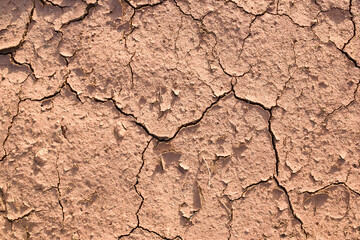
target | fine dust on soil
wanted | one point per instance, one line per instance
(179, 119)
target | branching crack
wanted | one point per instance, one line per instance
(192, 123)
(247, 188)
(13, 60)
(291, 207)
(12, 50)
(137, 181)
(142, 200)
(354, 26)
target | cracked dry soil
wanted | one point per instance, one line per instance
(179, 119)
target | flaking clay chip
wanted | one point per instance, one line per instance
(179, 119)
(201, 196)
(80, 173)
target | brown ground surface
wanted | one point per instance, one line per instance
(179, 119)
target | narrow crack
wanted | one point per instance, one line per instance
(138, 226)
(51, 95)
(273, 143)
(144, 5)
(251, 102)
(188, 14)
(87, 12)
(18, 111)
(291, 207)
(59, 193)
(13, 49)
(137, 192)
(192, 123)
(137, 182)
(342, 106)
(52, 4)
(131, 70)
(153, 232)
(247, 188)
(71, 89)
(8, 130)
(241, 197)
(273, 137)
(331, 185)
(292, 20)
(14, 61)
(21, 217)
(354, 26)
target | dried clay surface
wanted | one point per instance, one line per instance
(179, 119)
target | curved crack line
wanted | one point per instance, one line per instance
(8, 130)
(188, 14)
(138, 226)
(11, 220)
(18, 111)
(291, 207)
(188, 124)
(331, 185)
(137, 182)
(247, 188)
(13, 60)
(150, 231)
(143, 5)
(273, 143)
(342, 106)
(80, 18)
(354, 26)
(13, 49)
(59, 193)
(270, 130)
(241, 197)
